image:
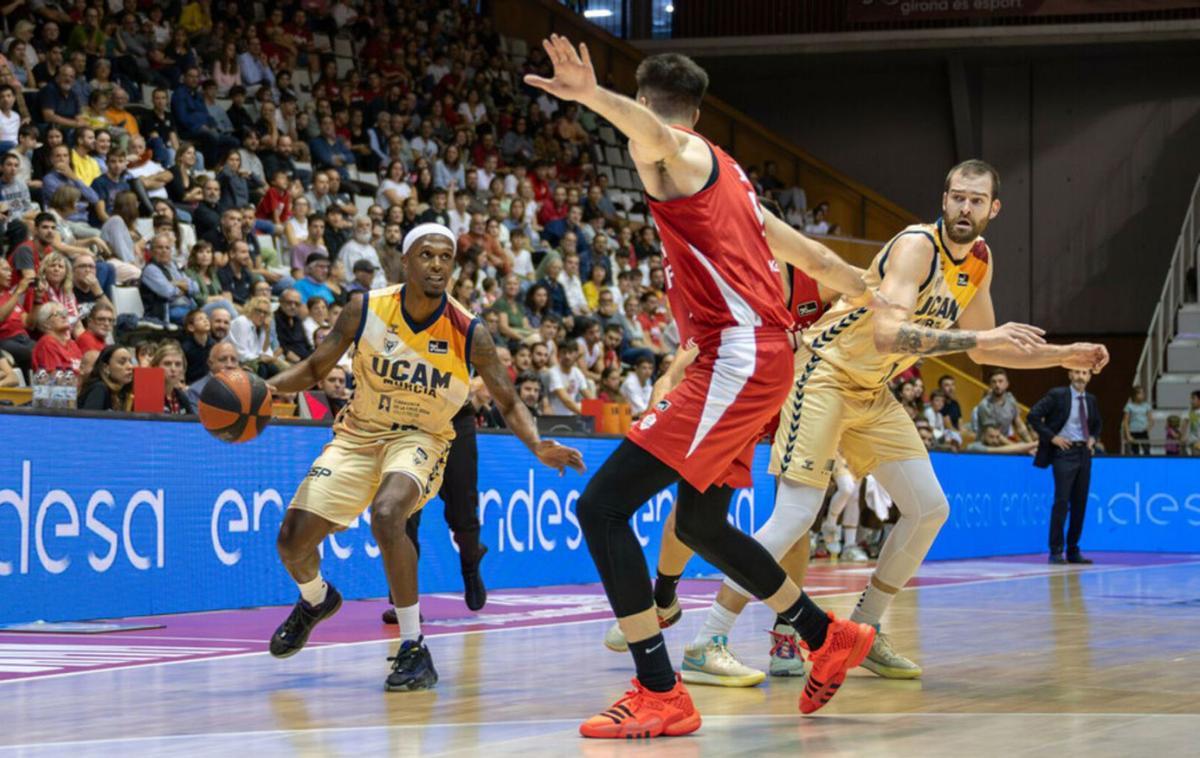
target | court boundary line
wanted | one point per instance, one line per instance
(551, 722)
(571, 622)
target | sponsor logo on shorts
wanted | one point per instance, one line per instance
(420, 456)
(647, 421)
(662, 405)
(808, 464)
(316, 472)
(438, 347)
(963, 279)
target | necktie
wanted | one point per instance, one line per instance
(1083, 417)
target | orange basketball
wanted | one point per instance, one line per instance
(235, 406)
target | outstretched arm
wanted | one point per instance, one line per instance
(981, 315)
(813, 258)
(908, 264)
(313, 369)
(516, 415)
(659, 151)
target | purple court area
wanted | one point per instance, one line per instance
(216, 634)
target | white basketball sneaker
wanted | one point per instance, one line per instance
(715, 664)
(855, 554)
(886, 662)
(614, 638)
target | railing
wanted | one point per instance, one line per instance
(1184, 263)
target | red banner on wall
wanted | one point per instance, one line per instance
(915, 10)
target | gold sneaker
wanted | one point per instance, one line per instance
(886, 662)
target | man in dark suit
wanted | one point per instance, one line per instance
(1067, 421)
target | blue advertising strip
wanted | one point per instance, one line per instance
(103, 518)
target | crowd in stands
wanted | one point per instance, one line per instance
(181, 176)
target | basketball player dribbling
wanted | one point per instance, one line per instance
(724, 290)
(413, 350)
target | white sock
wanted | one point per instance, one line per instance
(871, 606)
(719, 622)
(851, 533)
(409, 620)
(313, 592)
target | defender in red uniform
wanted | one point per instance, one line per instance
(723, 286)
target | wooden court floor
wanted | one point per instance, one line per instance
(1102, 662)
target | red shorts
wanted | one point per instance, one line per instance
(707, 427)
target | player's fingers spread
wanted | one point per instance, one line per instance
(551, 50)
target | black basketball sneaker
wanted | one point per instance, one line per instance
(292, 634)
(474, 591)
(412, 668)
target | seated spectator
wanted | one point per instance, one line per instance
(394, 188)
(361, 249)
(608, 388)
(529, 390)
(56, 285)
(14, 334)
(953, 411)
(295, 230)
(1174, 433)
(195, 122)
(98, 326)
(572, 285)
(568, 386)
(121, 237)
(170, 358)
(638, 386)
(167, 294)
(196, 344)
(91, 281)
(999, 408)
(327, 401)
(222, 357)
(591, 350)
(318, 317)
(330, 151)
(61, 174)
(250, 333)
(289, 327)
(365, 272)
(313, 244)
(236, 277)
(206, 216)
(239, 188)
(109, 385)
(653, 321)
(819, 223)
(108, 185)
(316, 279)
(55, 350)
(548, 272)
(939, 423)
(993, 441)
(391, 252)
(1190, 431)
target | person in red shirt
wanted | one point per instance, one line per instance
(14, 334)
(55, 351)
(555, 208)
(98, 325)
(276, 204)
(26, 258)
(653, 321)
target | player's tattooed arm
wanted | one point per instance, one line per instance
(917, 340)
(313, 369)
(516, 415)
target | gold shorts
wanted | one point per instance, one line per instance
(345, 476)
(825, 412)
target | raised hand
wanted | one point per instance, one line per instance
(574, 77)
(558, 457)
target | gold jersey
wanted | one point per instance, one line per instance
(408, 376)
(844, 336)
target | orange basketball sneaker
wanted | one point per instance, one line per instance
(645, 713)
(846, 645)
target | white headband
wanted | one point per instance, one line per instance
(421, 230)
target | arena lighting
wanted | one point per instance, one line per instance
(670, 8)
(597, 13)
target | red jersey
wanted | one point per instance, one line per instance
(804, 299)
(720, 271)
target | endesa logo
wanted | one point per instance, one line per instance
(234, 514)
(530, 520)
(56, 528)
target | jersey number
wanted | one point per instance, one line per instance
(758, 211)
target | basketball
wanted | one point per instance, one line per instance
(235, 406)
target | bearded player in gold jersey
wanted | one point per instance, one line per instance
(933, 286)
(413, 350)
